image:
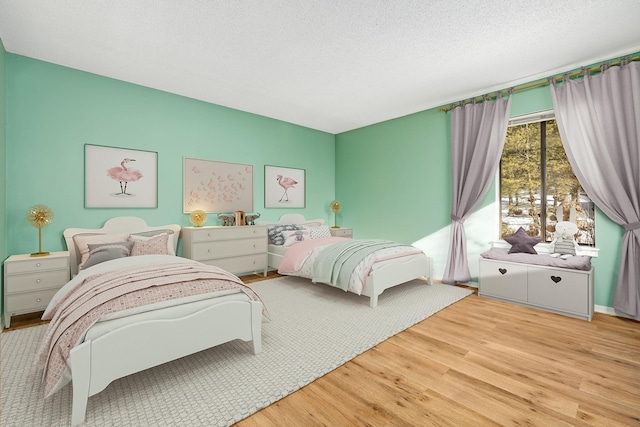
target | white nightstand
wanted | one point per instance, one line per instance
(342, 232)
(31, 282)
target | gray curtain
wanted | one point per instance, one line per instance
(598, 119)
(477, 137)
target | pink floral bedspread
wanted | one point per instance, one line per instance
(106, 293)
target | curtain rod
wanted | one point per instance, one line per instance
(541, 82)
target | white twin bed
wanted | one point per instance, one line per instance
(147, 335)
(377, 272)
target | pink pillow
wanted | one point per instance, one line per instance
(156, 245)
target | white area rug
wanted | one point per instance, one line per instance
(313, 330)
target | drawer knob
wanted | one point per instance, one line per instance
(37, 280)
(502, 271)
(556, 279)
(38, 300)
(209, 234)
(38, 265)
(209, 250)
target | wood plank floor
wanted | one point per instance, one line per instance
(478, 362)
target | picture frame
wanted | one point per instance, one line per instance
(284, 187)
(113, 180)
(216, 187)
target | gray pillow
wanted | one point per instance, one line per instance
(275, 232)
(521, 242)
(107, 251)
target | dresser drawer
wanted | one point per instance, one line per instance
(503, 280)
(228, 248)
(29, 301)
(225, 233)
(241, 264)
(30, 265)
(36, 281)
(563, 290)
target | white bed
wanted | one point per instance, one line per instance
(123, 346)
(383, 274)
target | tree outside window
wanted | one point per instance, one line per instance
(536, 179)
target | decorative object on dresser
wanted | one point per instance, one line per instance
(214, 186)
(335, 207)
(39, 216)
(227, 219)
(341, 232)
(111, 181)
(233, 248)
(284, 187)
(251, 218)
(29, 284)
(239, 218)
(198, 218)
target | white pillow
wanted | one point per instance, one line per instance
(140, 238)
(83, 241)
(319, 232)
(291, 237)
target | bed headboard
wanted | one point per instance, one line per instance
(296, 219)
(119, 224)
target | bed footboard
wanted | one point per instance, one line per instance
(394, 273)
(133, 348)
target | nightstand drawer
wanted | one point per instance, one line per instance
(36, 281)
(31, 265)
(29, 301)
(341, 232)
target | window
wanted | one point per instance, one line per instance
(536, 179)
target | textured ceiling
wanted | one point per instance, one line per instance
(332, 65)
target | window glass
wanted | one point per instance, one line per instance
(536, 179)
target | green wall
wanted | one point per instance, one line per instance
(53, 111)
(394, 181)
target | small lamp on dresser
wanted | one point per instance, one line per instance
(198, 218)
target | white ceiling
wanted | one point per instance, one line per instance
(331, 65)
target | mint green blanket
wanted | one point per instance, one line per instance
(335, 264)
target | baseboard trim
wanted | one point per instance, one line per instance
(611, 311)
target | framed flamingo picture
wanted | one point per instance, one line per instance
(284, 187)
(120, 177)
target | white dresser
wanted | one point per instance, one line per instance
(237, 249)
(341, 232)
(31, 282)
(559, 290)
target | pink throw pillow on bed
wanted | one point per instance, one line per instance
(156, 245)
(291, 237)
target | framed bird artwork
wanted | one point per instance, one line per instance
(284, 187)
(120, 177)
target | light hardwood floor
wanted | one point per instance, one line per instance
(480, 362)
(477, 362)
